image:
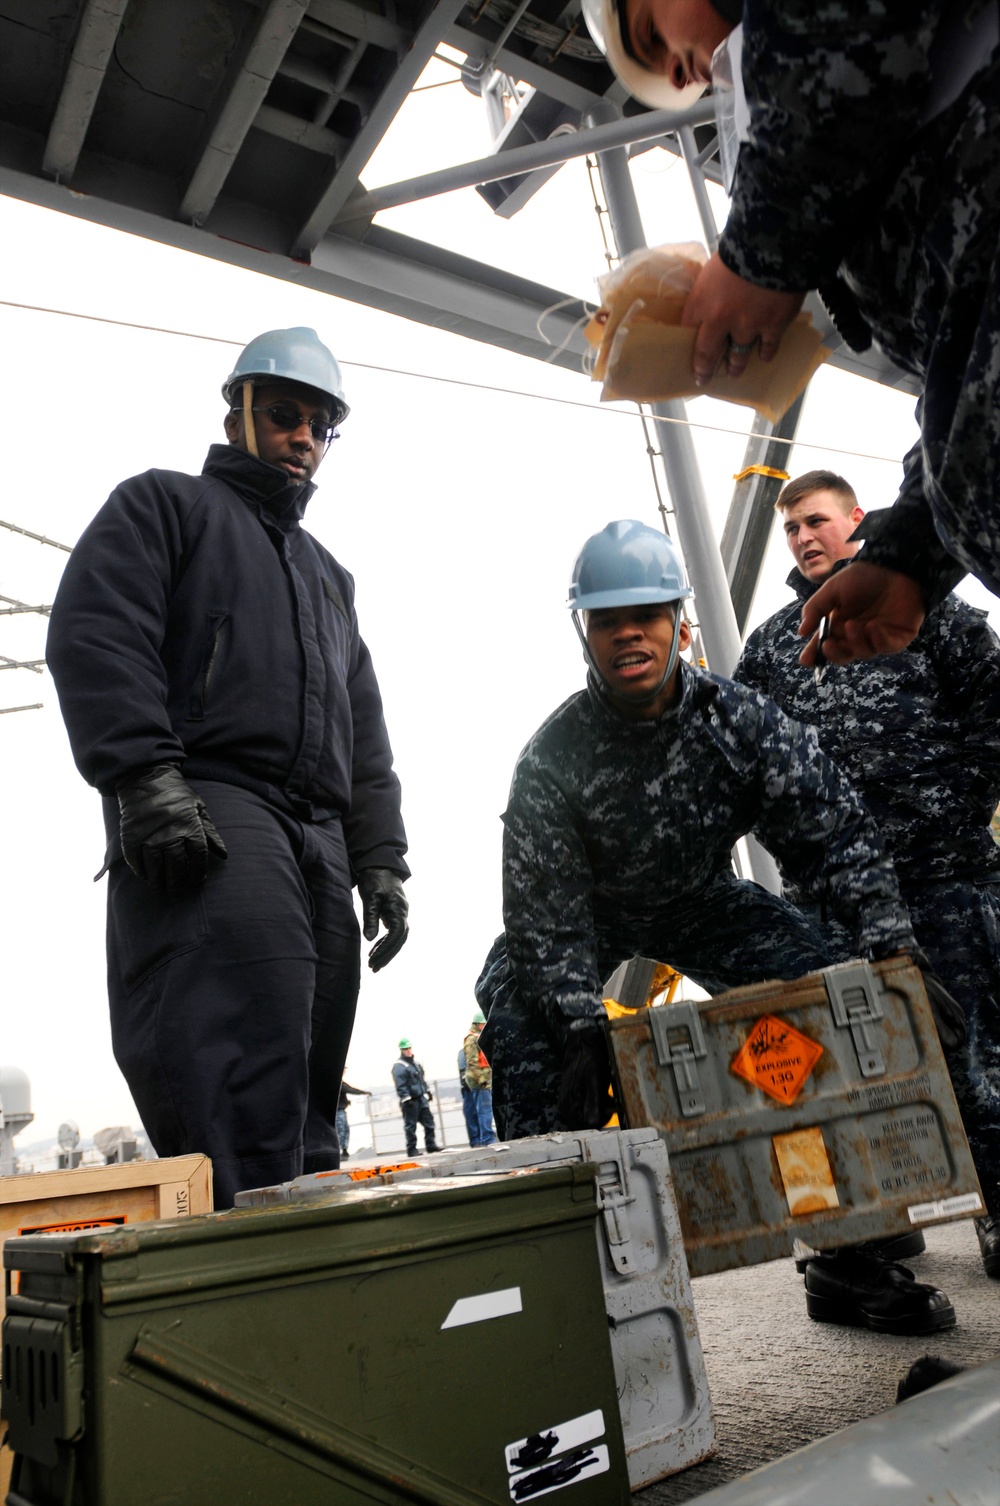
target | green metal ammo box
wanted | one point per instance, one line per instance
(819, 1109)
(442, 1343)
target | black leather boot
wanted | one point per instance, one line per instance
(859, 1288)
(988, 1229)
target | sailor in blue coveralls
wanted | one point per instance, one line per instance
(218, 694)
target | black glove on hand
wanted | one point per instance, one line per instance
(167, 834)
(382, 899)
(949, 1016)
(586, 1077)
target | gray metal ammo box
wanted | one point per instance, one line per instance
(819, 1109)
(440, 1343)
(659, 1368)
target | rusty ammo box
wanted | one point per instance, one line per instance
(819, 1109)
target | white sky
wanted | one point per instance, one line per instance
(458, 510)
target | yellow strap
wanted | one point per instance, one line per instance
(762, 470)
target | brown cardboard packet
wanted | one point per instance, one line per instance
(644, 354)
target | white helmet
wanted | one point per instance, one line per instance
(653, 89)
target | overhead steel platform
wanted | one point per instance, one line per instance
(241, 130)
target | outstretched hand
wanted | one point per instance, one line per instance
(869, 610)
(729, 313)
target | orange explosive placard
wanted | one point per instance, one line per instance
(776, 1058)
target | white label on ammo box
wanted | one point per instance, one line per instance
(567, 1469)
(486, 1305)
(946, 1207)
(556, 1457)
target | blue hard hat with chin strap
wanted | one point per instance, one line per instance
(284, 355)
(627, 564)
(291, 355)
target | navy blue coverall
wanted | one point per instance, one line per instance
(197, 623)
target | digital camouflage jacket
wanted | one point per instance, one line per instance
(613, 828)
(862, 178)
(917, 733)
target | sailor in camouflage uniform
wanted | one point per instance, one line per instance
(871, 172)
(918, 734)
(618, 836)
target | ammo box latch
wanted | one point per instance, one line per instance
(682, 1056)
(854, 999)
(42, 1385)
(613, 1196)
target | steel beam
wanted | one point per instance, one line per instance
(343, 19)
(388, 271)
(751, 513)
(238, 111)
(344, 178)
(555, 85)
(689, 151)
(526, 159)
(452, 292)
(289, 127)
(88, 64)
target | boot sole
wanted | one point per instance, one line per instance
(826, 1310)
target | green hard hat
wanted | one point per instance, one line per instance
(404, 1044)
(479, 1018)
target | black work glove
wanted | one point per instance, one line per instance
(382, 899)
(167, 834)
(949, 1016)
(586, 1077)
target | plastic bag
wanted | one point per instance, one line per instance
(645, 354)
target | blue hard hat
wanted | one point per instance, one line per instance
(626, 564)
(294, 355)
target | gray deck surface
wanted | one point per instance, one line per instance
(778, 1380)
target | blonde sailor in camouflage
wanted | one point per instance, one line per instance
(918, 734)
(618, 836)
(871, 171)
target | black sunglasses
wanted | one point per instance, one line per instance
(286, 416)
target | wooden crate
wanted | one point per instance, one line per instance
(94, 1197)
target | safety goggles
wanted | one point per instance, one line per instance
(287, 418)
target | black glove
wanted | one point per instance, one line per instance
(167, 834)
(949, 1016)
(586, 1077)
(382, 899)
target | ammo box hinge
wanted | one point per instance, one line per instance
(42, 1386)
(667, 1020)
(853, 990)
